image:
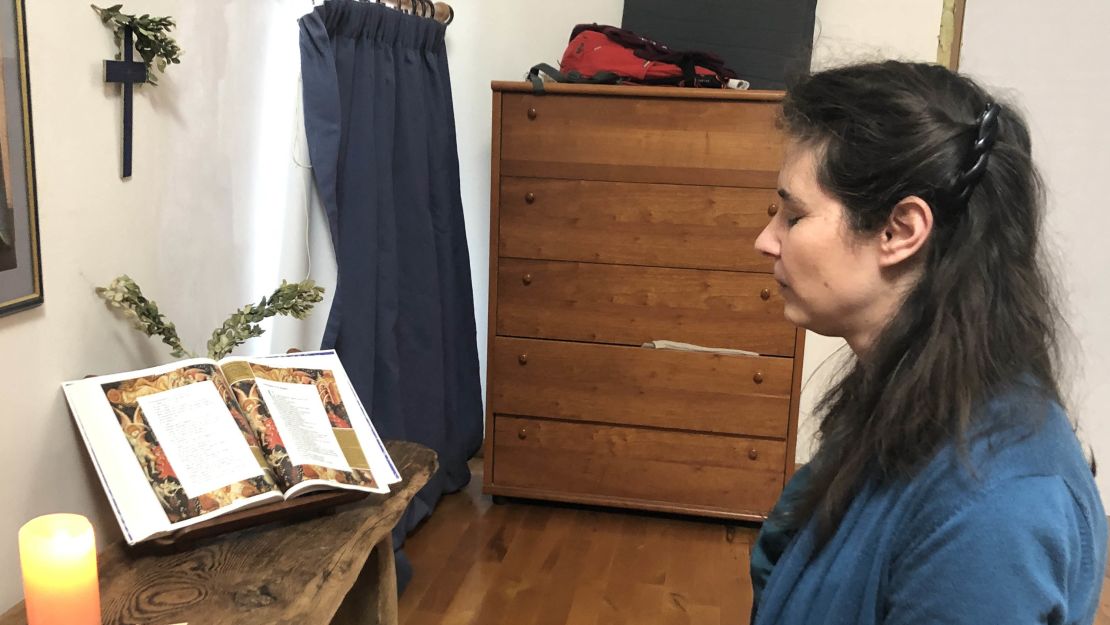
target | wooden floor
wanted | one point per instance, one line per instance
(544, 564)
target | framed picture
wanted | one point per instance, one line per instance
(20, 264)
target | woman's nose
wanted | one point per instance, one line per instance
(767, 243)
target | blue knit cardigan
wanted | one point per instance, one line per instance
(1014, 532)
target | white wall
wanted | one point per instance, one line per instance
(187, 226)
(1060, 78)
(857, 30)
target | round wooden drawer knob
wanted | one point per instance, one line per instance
(758, 377)
(530, 198)
(522, 359)
(752, 453)
(773, 209)
(765, 294)
(527, 279)
(532, 113)
(522, 434)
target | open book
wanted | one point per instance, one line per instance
(181, 443)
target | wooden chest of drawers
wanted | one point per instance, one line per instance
(621, 216)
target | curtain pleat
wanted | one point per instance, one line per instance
(381, 134)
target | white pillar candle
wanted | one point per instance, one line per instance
(57, 553)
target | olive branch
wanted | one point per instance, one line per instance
(290, 299)
(152, 39)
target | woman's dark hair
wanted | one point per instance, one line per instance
(981, 316)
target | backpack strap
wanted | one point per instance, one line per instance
(600, 78)
(689, 74)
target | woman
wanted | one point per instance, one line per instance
(948, 485)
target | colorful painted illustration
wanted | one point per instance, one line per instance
(250, 399)
(257, 414)
(123, 396)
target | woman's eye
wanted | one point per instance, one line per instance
(790, 221)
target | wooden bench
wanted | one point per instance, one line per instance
(336, 569)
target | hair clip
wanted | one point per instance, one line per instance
(987, 126)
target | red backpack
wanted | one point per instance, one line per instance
(610, 55)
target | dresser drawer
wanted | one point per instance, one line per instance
(635, 466)
(680, 141)
(634, 305)
(637, 386)
(662, 225)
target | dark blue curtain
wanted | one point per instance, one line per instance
(381, 135)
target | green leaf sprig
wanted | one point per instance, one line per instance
(126, 296)
(290, 299)
(152, 39)
(293, 300)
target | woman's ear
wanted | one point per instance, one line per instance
(906, 231)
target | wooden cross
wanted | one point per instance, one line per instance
(128, 73)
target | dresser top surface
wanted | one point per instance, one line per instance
(640, 91)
